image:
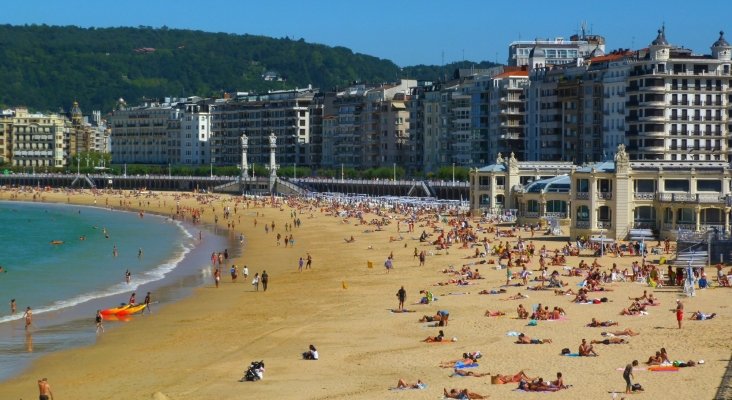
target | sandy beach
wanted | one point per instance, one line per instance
(198, 348)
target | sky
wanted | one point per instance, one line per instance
(407, 32)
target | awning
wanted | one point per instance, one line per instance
(399, 105)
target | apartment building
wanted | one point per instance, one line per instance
(678, 103)
(557, 51)
(285, 113)
(140, 134)
(507, 112)
(38, 140)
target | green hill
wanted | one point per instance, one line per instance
(47, 67)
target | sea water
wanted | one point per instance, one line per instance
(66, 282)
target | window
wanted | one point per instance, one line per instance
(583, 213)
(645, 185)
(709, 185)
(676, 185)
(583, 185)
(604, 214)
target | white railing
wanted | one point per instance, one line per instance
(692, 198)
(582, 195)
(605, 195)
(555, 214)
(531, 214)
(688, 227)
(604, 224)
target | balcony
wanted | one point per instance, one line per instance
(644, 196)
(582, 195)
(605, 195)
(604, 224)
(484, 187)
(644, 225)
(699, 198)
(555, 215)
(582, 224)
(531, 214)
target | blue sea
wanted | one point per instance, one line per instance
(66, 283)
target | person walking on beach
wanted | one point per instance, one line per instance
(401, 295)
(265, 280)
(628, 376)
(28, 315)
(98, 320)
(217, 277)
(309, 263)
(147, 301)
(255, 281)
(388, 264)
(233, 273)
(245, 272)
(13, 306)
(300, 264)
(679, 312)
(44, 390)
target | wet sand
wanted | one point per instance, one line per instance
(198, 348)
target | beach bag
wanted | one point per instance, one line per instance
(565, 351)
(637, 387)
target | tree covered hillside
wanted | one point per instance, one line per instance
(47, 67)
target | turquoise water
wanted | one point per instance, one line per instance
(49, 277)
(65, 284)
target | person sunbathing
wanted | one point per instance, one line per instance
(439, 338)
(568, 292)
(492, 291)
(523, 339)
(490, 313)
(559, 382)
(516, 378)
(537, 386)
(624, 332)
(402, 384)
(522, 312)
(350, 240)
(462, 394)
(462, 372)
(586, 350)
(464, 361)
(700, 316)
(610, 340)
(517, 296)
(428, 318)
(596, 324)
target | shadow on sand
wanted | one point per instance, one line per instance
(725, 387)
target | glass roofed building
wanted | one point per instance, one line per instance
(610, 198)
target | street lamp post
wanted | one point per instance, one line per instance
(211, 164)
(602, 243)
(394, 165)
(294, 171)
(453, 173)
(78, 161)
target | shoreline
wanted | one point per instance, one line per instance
(65, 328)
(198, 347)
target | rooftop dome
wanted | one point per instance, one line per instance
(661, 38)
(557, 184)
(721, 42)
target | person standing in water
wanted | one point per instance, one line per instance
(128, 276)
(148, 300)
(98, 320)
(13, 306)
(28, 315)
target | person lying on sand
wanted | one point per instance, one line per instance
(624, 332)
(700, 316)
(523, 339)
(517, 296)
(462, 372)
(350, 240)
(586, 350)
(568, 292)
(537, 385)
(462, 394)
(610, 340)
(516, 378)
(429, 318)
(492, 291)
(596, 324)
(451, 364)
(402, 384)
(439, 338)
(490, 313)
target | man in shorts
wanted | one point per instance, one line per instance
(627, 375)
(44, 390)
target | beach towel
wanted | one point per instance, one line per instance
(460, 365)
(397, 311)
(512, 333)
(571, 355)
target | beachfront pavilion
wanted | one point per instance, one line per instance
(611, 198)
